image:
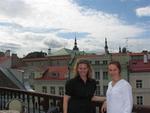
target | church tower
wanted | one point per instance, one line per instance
(106, 47)
(75, 48)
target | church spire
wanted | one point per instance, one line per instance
(106, 47)
(119, 49)
(75, 44)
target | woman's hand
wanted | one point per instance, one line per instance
(104, 107)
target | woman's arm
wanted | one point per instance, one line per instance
(98, 98)
(65, 103)
(128, 99)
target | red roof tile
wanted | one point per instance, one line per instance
(119, 54)
(136, 54)
(34, 59)
(90, 56)
(59, 57)
(139, 66)
(55, 73)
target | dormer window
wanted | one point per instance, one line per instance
(55, 74)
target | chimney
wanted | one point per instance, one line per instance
(7, 53)
(145, 58)
(49, 51)
(14, 60)
(148, 55)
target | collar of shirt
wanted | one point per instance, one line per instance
(79, 78)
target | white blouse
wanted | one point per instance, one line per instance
(119, 97)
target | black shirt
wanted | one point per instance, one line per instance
(81, 94)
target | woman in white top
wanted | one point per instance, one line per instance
(119, 92)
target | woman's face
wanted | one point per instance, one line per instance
(113, 70)
(82, 70)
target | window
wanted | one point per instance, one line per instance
(61, 90)
(54, 74)
(105, 75)
(52, 90)
(44, 89)
(97, 90)
(32, 76)
(90, 62)
(41, 63)
(138, 83)
(139, 100)
(58, 62)
(97, 75)
(97, 62)
(105, 62)
(105, 89)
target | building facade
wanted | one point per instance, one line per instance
(139, 69)
(49, 74)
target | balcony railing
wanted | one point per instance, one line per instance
(33, 102)
(42, 103)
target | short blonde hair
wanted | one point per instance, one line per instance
(83, 61)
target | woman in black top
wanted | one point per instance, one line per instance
(80, 90)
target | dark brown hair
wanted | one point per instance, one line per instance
(117, 64)
(83, 61)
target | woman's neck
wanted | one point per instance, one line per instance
(84, 78)
(115, 80)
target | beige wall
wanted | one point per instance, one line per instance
(38, 84)
(145, 90)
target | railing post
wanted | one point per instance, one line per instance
(45, 103)
(33, 102)
(4, 96)
(1, 99)
(39, 104)
(28, 103)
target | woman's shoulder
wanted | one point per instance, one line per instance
(71, 81)
(109, 83)
(92, 79)
(125, 83)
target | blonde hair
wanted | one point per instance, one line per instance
(83, 61)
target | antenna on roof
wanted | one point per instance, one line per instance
(126, 43)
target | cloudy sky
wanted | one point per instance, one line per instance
(36, 25)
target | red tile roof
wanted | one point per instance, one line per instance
(139, 66)
(135, 54)
(4, 58)
(90, 56)
(119, 54)
(34, 59)
(61, 72)
(46, 58)
(59, 57)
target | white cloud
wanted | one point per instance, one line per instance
(139, 44)
(65, 15)
(143, 11)
(14, 8)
